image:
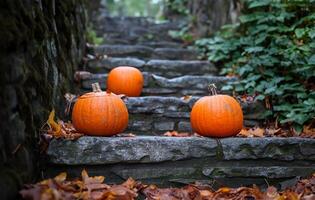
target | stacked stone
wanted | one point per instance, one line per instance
(174, 80)
(42, 44)
(170, 71)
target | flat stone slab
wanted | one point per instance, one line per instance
(106, 64)
(123, 50)
(152, 149)
(166, 68)
(173, 68)
(175, 54)
(168, 105)
(157, 85)
(107, 150)
(140, 51)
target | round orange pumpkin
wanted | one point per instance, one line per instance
(216, 115)
(100, 113)
(125, 80)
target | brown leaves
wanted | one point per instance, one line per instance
(176, 134)
(252, 132)
(271, 132)
(52, 129)
(60, 129)
(94, 188)
(88, 188)
(309, 130)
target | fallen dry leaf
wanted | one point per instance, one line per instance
(251, 132)
(55, 128)
(94, 188)
(186, 97)
(309, 130)
(86, 188)
(125, 135)
(177, 134)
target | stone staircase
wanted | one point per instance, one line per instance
(172, 71)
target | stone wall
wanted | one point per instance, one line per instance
(167, 161)
(42, 43)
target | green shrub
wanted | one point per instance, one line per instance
(272, 50)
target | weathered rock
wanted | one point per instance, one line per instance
(273, 148)
(106, 64)
(162, 44)
(167, 160)
(256, 171)
(184, 126)
(175, 54)
(124, 50)
(192, 82)
(156, 104)
(157, 85)
(165, 68)
(164, 126)
(151, 149)
(107, 150)
(173, 68)
(140, 125)
(141, 51)
(172, 109)
(42, 45)
(134, 30)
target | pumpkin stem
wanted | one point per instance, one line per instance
(212, 89)
(96, 87)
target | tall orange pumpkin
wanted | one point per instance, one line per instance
(100, 113)
(216, 115)
(125, 80)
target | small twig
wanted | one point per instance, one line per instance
(16, 149)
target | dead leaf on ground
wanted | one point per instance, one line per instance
(60, 129)
(251, 132)
(309, 130)
(86, 188)
(177, 134)
(186, 97)
(125, 135)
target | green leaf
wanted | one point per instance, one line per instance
(300, 32)
(311, 60)
(255, 4)
(254, 49)
(227, 88)
(260, 97)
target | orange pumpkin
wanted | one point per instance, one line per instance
(125, 80)
(100, 113)
(216, 115)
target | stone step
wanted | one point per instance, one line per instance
(167, 68)
(231, 162)
(155, 85)
(132, 24)
(135, 30)
(140, 51)
(156, 114)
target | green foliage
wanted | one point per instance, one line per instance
(177, 6)
(92, 38)
(182, 34)
(272, 50)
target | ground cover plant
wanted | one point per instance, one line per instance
(272, 51)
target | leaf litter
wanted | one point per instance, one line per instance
(94, 188)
